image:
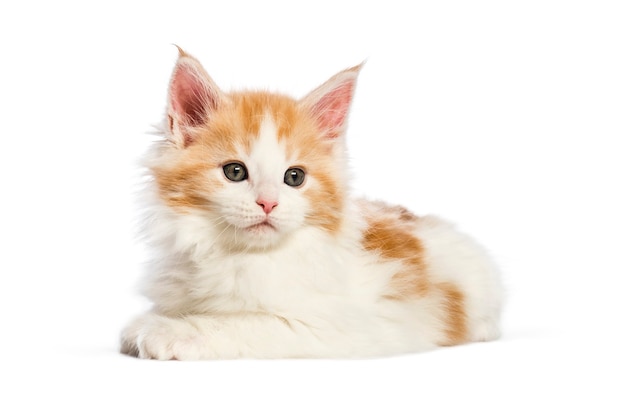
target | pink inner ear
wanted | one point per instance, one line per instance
(331, 110)
(190, 97)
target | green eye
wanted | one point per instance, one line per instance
(235, 172)
(294, 176)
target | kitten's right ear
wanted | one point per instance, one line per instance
(192, 97)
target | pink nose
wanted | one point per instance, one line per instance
(267, 205)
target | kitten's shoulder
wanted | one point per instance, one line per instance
(394, 232)
(378, 213)
(375, 210)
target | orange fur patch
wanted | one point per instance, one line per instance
(390, 234)
(327, 203)
(455, 318)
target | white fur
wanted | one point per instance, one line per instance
(220, 292)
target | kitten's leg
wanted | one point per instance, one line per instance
(221, 336)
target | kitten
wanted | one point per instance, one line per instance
(260, 251)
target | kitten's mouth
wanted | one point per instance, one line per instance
(261, 227)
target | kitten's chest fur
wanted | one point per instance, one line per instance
(309, 269)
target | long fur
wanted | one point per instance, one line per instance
(317, 274)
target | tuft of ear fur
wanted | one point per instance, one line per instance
(329, 104)
(192, 97)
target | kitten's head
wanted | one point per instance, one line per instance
(256, 166)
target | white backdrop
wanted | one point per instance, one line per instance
(505, 117)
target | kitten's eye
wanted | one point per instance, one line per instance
(294, 176)
(235, 172)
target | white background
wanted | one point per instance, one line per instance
(505, 117)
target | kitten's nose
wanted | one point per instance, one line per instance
(267, 205)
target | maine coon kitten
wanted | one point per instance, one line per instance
(260, 251)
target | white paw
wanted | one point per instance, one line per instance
(162, 338)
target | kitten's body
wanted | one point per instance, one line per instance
(263, 266)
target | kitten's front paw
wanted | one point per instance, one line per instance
(162, 338)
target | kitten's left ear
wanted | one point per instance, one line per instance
(329, 104)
